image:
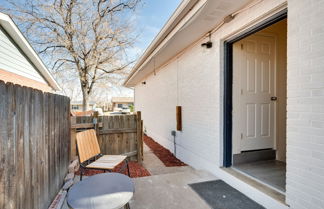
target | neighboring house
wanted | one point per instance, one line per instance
(76, 106)
(105, 106)
(249, 82)
(122, 102)
(19, 63)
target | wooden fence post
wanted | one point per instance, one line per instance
(142, 143)
(139, 136)
(73, 153)
(95, 122)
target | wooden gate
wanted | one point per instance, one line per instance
(117, 134)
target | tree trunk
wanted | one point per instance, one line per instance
(85, 100)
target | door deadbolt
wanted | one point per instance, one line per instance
(274, 98)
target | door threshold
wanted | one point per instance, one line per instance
(257, 184)
(258, 180)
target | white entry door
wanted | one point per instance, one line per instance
(254, 92)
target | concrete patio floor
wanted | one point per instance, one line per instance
(156, 167)
(168, 191)
(167, 187)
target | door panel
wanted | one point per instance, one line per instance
(250, 120)
(254, 77)
(265, 120)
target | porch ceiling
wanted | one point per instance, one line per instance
(200, 17)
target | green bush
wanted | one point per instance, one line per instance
(131, 108)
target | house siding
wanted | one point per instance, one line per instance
(305, 106)
(13, 60)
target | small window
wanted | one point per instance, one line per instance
(120, 105)
(75, 107)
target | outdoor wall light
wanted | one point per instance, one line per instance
(144, 82)
(208, 44)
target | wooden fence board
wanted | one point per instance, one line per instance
(45, 147)
(139, 136)
(51, 146)
(11, 155)
(38, 153)
(34, 146)
(27, 159)
(3, 139)
(3, 149)
(20, 102)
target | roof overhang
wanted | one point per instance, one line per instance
(11, 28)
(191, 21)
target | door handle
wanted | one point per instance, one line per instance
(274, 98)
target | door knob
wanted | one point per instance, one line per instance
(274, 98)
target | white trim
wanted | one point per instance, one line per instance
(11, 28)
(241, 30)
(250, 191)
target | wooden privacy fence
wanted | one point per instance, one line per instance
(34, 146)
(117, 134)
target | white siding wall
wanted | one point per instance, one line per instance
(305, 124)
(13, 60)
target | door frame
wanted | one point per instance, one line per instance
(228, 82)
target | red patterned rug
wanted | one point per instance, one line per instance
(168, 159)
(136, 170)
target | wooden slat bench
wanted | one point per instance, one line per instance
(90, 156)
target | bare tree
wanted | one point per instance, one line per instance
(87, 36)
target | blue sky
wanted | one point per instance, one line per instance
(151, 16)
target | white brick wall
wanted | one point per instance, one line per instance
(305, 123)
(194, 81)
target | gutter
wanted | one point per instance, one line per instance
(183, 9)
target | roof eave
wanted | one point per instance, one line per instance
(181, 11)
(191, 27)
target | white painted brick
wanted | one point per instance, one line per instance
(318, 92)
(318, 140)
(305, 154)
(318, 155)
(194, 81)
(318, 124)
